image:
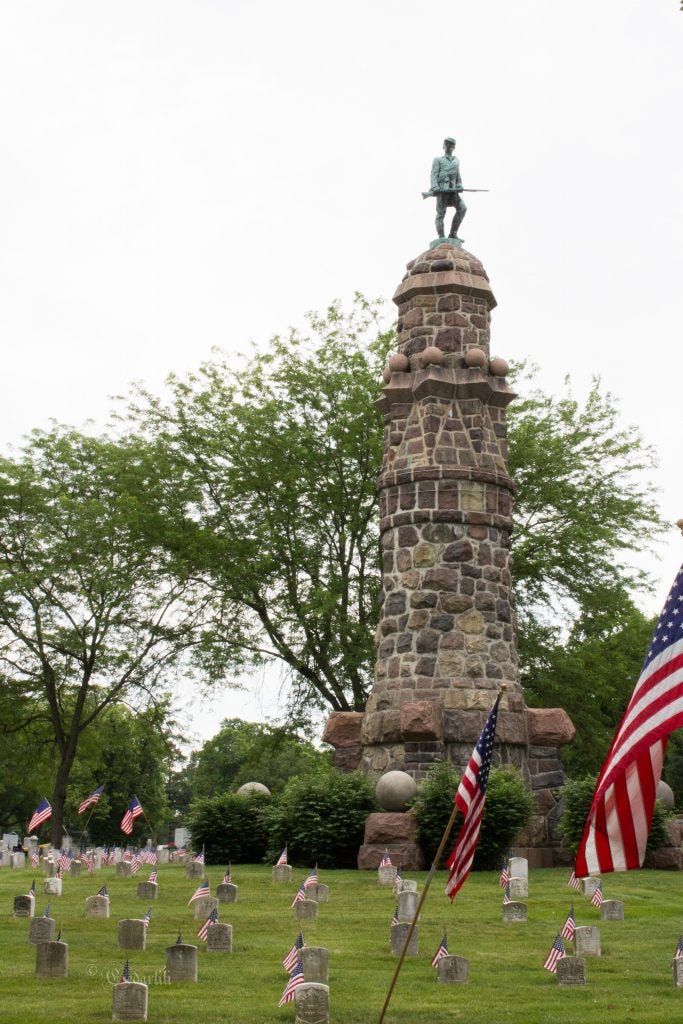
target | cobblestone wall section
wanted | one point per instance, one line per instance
(446, 636)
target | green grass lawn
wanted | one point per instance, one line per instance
(631, 982)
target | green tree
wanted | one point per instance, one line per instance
(276, 463)
(583, 506)
(92, 612)
(591, 675)
(249, 752)
(130, 753)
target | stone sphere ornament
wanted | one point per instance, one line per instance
(398, 363)
(432, 356)
(476, 357)
(253, 787)
(665, 795)
(499, 367)
(394, 790)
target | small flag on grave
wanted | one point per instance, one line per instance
(33, 886)
(135, 864)
(41, 814)
(441, 951)
(556, 953)
(312, 878)
(103, 891)
(227, 877)
(125, 973)
(91, 800)
(569, 926)
(296, 978)
(289, 962)
(395, 919)
(596, 898)
(153, 876)
(179, 940)
(133, 811)
(65, 860)
(573, 882)
(386, 860)
(199, 858)
(301, 894)
(147, 918)
(35, 858)
(504, 875)
(47, 911)
(282, 859)
(506, 894)
(204, 930)
(59, 935)
(679, 948)
(201, 890)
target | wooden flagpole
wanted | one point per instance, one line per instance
(428, 882)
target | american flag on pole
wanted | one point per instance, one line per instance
(504, 875)
(470, 799)
(35, 858)
(147, 918)
(65, 860)
(103, 891)
(227, 877)
(290, 960)
(282, 859)
(301, 894)
(386, 860)
(296, 978)
(573, 882)
(199, 858)
(395, 919)
(312, 878)
(596, 898)
(569, 926)
(679, 948)
(133, 811)
(153, 875)
(204, 930)
(41, 814)
(135, 864)
(441, 951)
(125, 974)
(615, 835)
(91, 800)
(201, 890)
(556, 953)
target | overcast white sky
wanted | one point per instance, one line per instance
(180, 174)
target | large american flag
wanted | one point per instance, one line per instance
(615, 835)
(133, 811)
(41, 814)
(470, 799)
(91, 800)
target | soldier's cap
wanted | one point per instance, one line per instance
(449, 138)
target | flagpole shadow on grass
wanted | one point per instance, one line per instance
(466, 862)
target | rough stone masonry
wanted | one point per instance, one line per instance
(446, 635)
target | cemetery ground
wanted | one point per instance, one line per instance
(631, 982)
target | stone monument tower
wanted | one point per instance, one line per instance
(446, 634)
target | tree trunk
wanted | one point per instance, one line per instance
(59, 795)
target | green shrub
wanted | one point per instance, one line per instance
(231, 827)
(507, 810)
(321, 818)
(577, 795)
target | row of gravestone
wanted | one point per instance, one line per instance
(312, 998)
